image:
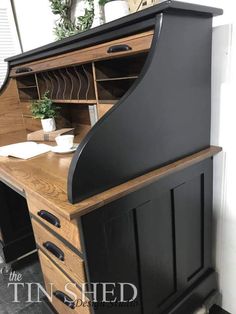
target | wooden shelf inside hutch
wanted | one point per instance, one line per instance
(75, 101)
(27, 87)
(117, 78)
(28, 94)
(113, 90)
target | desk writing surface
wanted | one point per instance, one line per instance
(45, 177)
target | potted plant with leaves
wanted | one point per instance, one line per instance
(114, 9)
(45, 110)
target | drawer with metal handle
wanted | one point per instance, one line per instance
(68, 230)
(61, 290)
(61, 254)
(128, 45)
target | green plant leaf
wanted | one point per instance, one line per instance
(103, 2)
(44, 108)
(65, 27)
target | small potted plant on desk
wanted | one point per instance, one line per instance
(114, 9)
(45, 110)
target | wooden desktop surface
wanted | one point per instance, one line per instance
(45, 177)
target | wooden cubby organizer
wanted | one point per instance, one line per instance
(68, 84)
(28, 88)
(99, 84)
(115, 77)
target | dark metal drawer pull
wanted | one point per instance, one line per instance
(23, 70)
(64, 299)
(118, 48)
(49, 218)
(51, 247)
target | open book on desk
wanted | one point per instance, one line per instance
(24, 150)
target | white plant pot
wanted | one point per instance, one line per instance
(48, 125)
(115, 9)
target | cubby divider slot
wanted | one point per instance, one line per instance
(64, 82)
(58, 85)
(113, 90)
(43, 83)
(26, 81)
(60, 82)
(53, 80)
(90, 92)
(79, 82)
(119, 68)
(50, 84)
(84, 82)
(63, 91)
(28, 94)
(73, 82)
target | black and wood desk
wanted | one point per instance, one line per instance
(134, 203)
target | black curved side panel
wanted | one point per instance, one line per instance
(165, 115)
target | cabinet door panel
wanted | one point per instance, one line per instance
(121, 250)
(189, 221)
(112, 256)
(156, 247)
(192, 207)
(158, 238)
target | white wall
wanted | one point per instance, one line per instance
(9, 44)
(36, 22)
(223, 134)
(223, 131)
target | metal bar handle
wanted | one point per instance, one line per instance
(23, 70)
(52, 248)
(64, 299)
(53, 220)
(118, 48)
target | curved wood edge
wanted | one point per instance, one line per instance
(133, 185)
(11, 119)
(6, 80)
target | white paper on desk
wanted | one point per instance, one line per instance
(24, 150)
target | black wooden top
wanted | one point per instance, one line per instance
(109, 31)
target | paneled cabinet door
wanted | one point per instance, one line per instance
(158, 239)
